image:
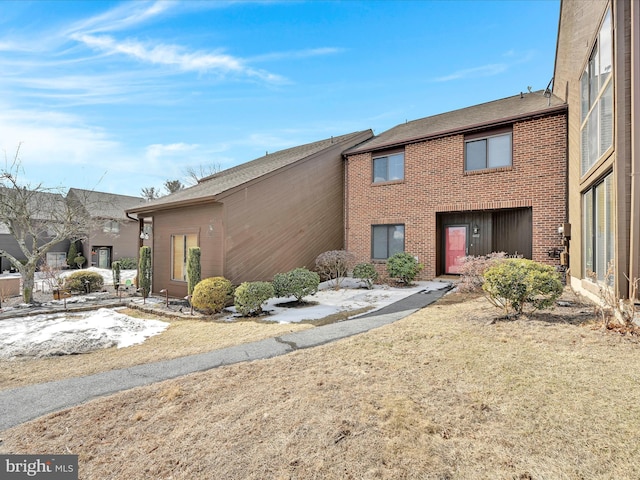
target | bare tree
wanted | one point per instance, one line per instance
(149, 193)
(173, 186)
(195, 174)
(37, 218)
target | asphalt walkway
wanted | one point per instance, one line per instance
(22, 404)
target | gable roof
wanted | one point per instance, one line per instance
(493, 113)
(42, 205)
(104, 205)
(221, 182)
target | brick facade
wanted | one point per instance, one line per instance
(435, 182)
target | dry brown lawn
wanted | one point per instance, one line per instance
(183, 337)
(442, 394)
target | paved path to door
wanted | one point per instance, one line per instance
(22, 404)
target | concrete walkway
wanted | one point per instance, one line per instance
(22, 404)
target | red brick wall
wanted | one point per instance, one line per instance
(435, 182)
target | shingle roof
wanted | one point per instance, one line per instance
(226, 180)
(105, 205)
(476, 116)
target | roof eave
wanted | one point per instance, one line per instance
(458, 130)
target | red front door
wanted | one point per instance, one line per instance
(455, 240)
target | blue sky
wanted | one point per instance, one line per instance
(116, 96)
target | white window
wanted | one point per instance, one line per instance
(111, 226)
(388, 168)
(489, 152)
(596, 99)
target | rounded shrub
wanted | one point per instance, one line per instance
(298, 282)
(516, 283)
(77, 281)
(404, 267)
(210, 295)
(250, 296)
(365, 272)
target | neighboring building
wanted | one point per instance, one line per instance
(263, 217)
(597, 72)
(487, 178)
(113, 235)
(46, 206)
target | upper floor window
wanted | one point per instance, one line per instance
(596, 99)
(111, 226)
(489, 152)
(388, 168)
(386, 240)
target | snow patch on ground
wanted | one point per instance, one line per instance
(65, 333)
(351, 296)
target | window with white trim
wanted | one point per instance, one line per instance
(596, 99)
(111, 226)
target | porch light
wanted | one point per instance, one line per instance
(476, 230)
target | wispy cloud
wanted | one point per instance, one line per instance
(483, 71)
(295, 54)
(126, 15)
(176, 56)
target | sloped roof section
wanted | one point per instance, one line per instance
(475, 117)
(42, 205)
(221, 182)
(104, 205)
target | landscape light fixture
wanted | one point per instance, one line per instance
(166, 296)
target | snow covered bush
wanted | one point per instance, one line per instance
(299, 283)
(250, 296)
(77, 281)
(404, 267)
(211, 294)
(365, 272)
(335, 264)
(517, 282)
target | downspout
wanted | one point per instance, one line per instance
(634, 229)
(346, 202)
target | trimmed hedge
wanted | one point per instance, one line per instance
(404, 267)
(515, 283)
(298, 282)
(210, 295)
(76, 281)
(365, 272)
(250, 296)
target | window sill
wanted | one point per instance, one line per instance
(488, 170)
(389, 182)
